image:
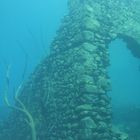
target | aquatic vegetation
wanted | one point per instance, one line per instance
(21, 108)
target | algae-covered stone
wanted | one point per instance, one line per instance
(88, 36)
(90, 88)
(70, 138)
(85, 134)
(103, 110)
(82, 55)
(88, 123)
(98, 117)
(98, 36)
(112, 35)
(102, 103)
(84, 107)
(89, 47)
(90, 24)
(87, 126)
(122, 135)
(83, 114)
(88, 8)
(89, 98)
(102, 126)
(104, 83)
(86, 79)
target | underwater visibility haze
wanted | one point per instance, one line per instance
(70, 70)
(27, 29)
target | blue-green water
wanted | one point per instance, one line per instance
(124, 72)
(28, 27)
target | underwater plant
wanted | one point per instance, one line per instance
(21, 108)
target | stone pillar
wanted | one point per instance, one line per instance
(80, 108)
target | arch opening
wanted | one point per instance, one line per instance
(124, 72)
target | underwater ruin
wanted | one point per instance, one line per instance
(67, 94)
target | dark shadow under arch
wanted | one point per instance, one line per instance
(132, 44)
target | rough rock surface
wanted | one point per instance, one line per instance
(67, 94)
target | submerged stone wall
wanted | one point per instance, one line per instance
(67, 94)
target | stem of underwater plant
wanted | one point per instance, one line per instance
(22, 107)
